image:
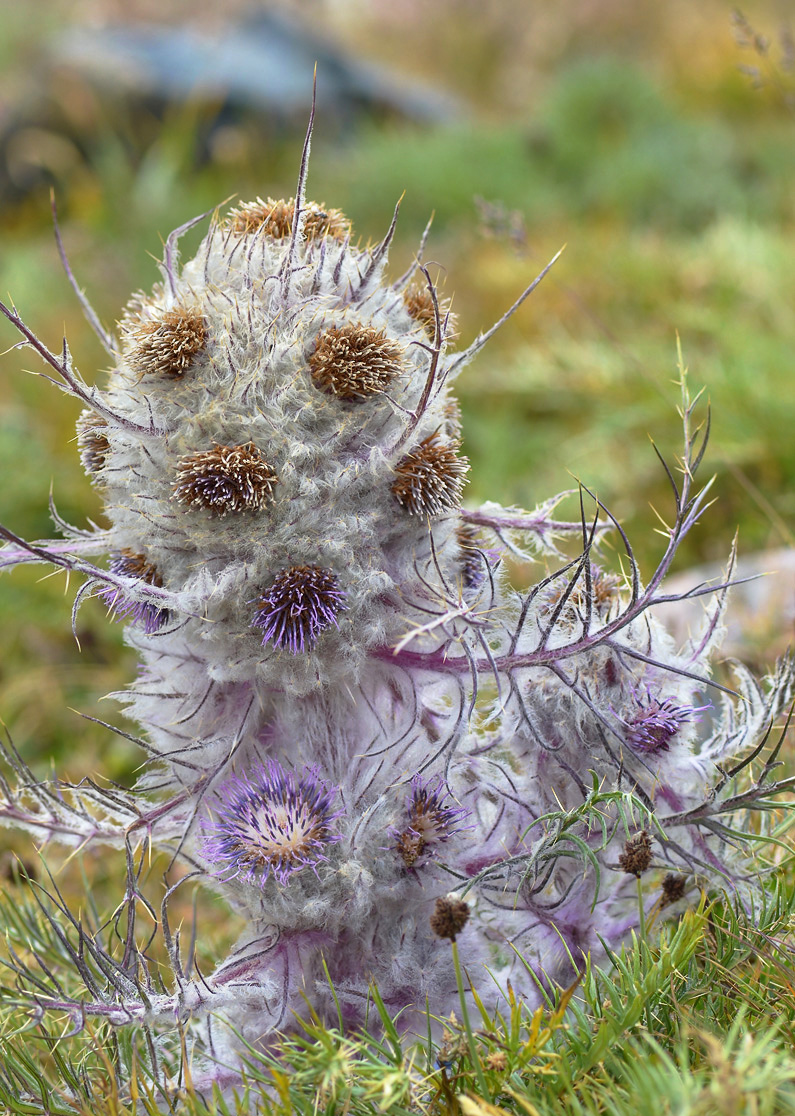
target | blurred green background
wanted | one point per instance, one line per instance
(654, 140)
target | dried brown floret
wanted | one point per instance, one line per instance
(450, 916)
(226, 479)
(431, 478)
(673, 888)
(166, 345)
(419, 303)
(275, 218)
(355, 361)
(92, 441)
(636, 857)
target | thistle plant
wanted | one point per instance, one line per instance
(358, 732)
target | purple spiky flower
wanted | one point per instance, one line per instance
(656, 722)
(270, 822)
(432, 818)
(302, 602)
(126, 563)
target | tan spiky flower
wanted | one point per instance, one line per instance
(355, 361)
(225, 479)
(419, 303)
(275, 218)
(92, 441)
(431, 478)
(166, 345)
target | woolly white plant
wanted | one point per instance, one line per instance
(348, 710)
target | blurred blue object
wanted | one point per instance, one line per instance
(264, 62)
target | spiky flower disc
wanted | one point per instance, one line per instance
(431, 478)
(419, 303)
(355, 361)
(269, 822)
(166, 345)
(275, 219)
(302, 602)
(126, 563)
(225, 479)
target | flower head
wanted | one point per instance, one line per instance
(225, 479)
(270, 822)
(431, 478)
(354, 361)
(166, 345)
(656, 722)
(275, 219)
(92, 441)
(302, 602)
(126, 563)
(450, 916)
(431, 819)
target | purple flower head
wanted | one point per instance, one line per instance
(656, 722)
(301, 603)
(126, 563)
(270, 822)
(432, 818)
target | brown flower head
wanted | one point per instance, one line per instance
(450, 916)
(166, 345)
(673, 888)
(431, 478)
(636, 857)
(354, 361)
(419, 303)
(275, 219)
(225, 479)
(92, 441)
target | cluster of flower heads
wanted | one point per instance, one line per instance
(349, 709)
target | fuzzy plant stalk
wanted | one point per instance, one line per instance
(353, 722)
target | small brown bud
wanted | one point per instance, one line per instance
(673, 888)
(354, 361)
(92, 441)
(419, 303)
(275, 219)
(449, 917)
(636, 857)
(166, 345)
(431, 478)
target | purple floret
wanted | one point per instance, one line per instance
(270, 822)
(657, 722)
(302, 602)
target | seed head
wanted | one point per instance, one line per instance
(126, 563)
(269, 822)
(636, 857)
(354, 361)
(450, 916)
(92, 441)
(302, 602)
(275, 219)
(431, 478)
(673, 888)
(225, 479)
(167, 344)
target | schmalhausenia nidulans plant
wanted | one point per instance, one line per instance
(348, 711)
